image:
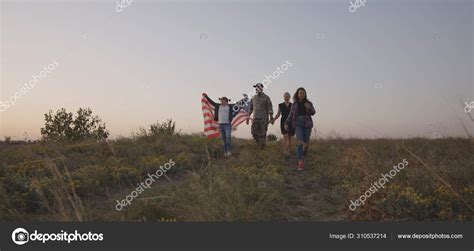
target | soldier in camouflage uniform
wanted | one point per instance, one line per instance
(261, 107)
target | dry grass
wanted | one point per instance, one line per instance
(81, 182)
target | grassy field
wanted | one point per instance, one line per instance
(45, 181)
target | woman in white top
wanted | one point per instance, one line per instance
(224, 115)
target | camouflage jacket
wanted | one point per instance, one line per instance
(261, 106)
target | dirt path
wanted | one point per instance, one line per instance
(308, 197)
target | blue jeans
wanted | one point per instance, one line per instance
(302, 134)
(226, 130)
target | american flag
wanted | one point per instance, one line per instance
(211, 127)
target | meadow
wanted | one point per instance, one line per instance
(82, 181)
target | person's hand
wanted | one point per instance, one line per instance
(307, 105)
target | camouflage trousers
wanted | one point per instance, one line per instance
(259, 131)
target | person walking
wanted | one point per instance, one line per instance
(283, 111)
(261, 107)
(300, 120)
(224, 115)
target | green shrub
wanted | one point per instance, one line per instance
(164, 128)
(63, 126)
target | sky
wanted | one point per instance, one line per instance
(388, 69)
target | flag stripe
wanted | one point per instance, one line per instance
(211, 127)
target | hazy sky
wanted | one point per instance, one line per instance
(391, 68)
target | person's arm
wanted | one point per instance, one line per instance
(310, 108)
(209, 99)
(270, 108)
(250, 110)
(278, 113)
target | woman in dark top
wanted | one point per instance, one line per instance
(284, 110)
(300, 120)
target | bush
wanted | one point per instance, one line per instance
(164, 128)
(62, 126)
(272, 137)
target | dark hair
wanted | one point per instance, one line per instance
(225, 98)
(295, 97)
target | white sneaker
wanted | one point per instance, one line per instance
(228, 154)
